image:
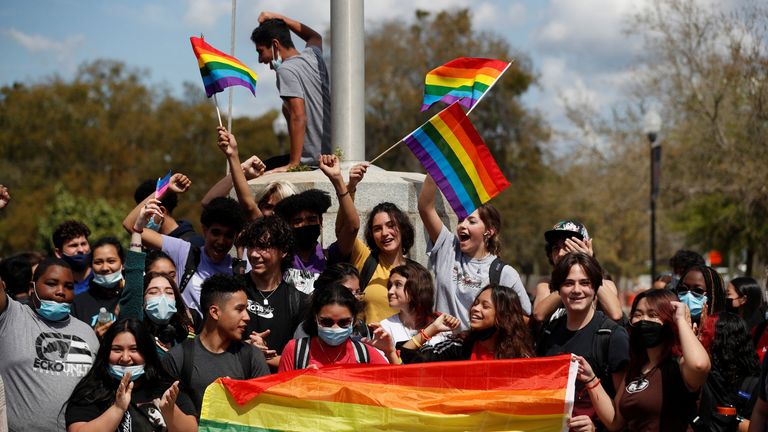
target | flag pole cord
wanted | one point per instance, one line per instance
(470, 110)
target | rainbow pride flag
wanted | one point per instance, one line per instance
(220, 70)
(452, 152)
(463, 79)
(162, 185)
(491, 395)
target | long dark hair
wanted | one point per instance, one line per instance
(755, 307)
(661, 301)
(404, 226)
(420, 290)
(733, 354)
(177, 329)
(513, 340)
(333, 294)
(98, 386)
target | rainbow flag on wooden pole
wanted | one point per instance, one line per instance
(454, 154)
(492, 395)
(465, 79)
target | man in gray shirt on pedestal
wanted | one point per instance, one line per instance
(302, 80)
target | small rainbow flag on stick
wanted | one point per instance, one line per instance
(221, 70)
(162, 185)
(454, 154)
(492, 395)
(464, 79)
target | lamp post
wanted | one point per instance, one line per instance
(280, 128)
(651, 127)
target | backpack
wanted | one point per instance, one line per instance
(494, 272)
(188, 347)
(369, 268)
(301, 353)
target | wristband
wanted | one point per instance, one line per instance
(415, 341)
(138, 245)
(594, 385)
(590, 380)
(342, 195)
(138, 231)
(424, 335)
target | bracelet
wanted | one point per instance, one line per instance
(138, 231)
(138, 245)
(342, 195)
(590, 380)
(424, 335)
(416, 342)
(594, 385)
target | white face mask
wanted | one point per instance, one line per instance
(276, 60)
(108, 280)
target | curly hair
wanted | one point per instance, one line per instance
(224, 211)
(715, 287)
(404, 227)
(268, 232)
(733, 354)
(513, 340)
(420, 290)
(312, 200)
(67, 231)
(660, 301)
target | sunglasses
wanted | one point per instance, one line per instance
(697, 291)
(328, 322)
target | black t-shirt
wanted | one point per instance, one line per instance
(143, 414)
(560, 340)
(208, 366)
(86, 305)
(283, 312)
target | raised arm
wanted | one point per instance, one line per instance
(311, 37)
(608, 298)
(545, 303)
(347, 228)
(179, 183)
(694, 363)
(132, 295)
(429, 217)
(228, 146)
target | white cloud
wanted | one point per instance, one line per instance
(41, 44)
(206, 13)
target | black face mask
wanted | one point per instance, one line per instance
(648, 333)
(729, 307)
(306, 236)
(77, 262)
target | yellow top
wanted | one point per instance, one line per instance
(376, 297)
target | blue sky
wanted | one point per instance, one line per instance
(577, 46)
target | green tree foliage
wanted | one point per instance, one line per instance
(709, 70)
(102, 134)
(398, 56)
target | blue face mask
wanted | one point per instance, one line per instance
(160, 308)
(334, 336)
(52, 310)
(108, 280)
(695, 302)
(78, 262)
(276, 61)
(117, 371)
(151, 224)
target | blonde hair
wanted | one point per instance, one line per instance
(281, 188)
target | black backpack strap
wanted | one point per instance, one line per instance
(601, 345)
(369, 268)
(193, 260)
(747, 395)
(188, 347)
(494, 272)
(245, 355)
(301, 353)
(361, 354)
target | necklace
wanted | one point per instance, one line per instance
(641, 383)
(327, 357)
(266, 297)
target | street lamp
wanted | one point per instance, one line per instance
(651, 127)
(280, 127)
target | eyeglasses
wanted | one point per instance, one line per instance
(329, 322)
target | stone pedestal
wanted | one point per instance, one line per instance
(400, 188)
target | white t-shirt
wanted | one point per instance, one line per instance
(401, 333)
(458, 278)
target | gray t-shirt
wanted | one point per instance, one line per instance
(458, 278)
(41, 362)
(305, 76)
(207, 366)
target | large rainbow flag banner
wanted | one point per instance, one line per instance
(463, 79)
(454, 154)
(220, 70)
(492, 395)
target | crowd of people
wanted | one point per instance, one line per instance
(102, 337)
